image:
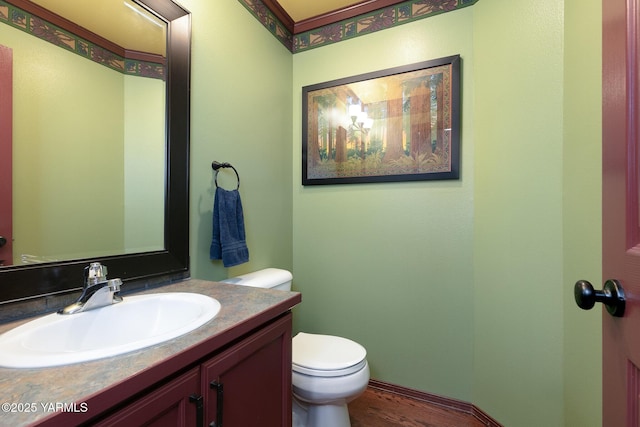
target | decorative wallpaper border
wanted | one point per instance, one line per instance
(35, 26)
(269, 20)
(367, 23)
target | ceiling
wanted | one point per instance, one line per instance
(299, 16)
(122, 22)
(300, 10)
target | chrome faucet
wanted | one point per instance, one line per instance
(97, 291)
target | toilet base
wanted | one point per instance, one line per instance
(334, 415)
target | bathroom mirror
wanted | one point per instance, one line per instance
(87, 145)
(21, 282)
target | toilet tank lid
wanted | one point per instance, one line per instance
(267, 278)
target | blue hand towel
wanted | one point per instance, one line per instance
(228, 243)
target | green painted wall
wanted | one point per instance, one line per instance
(459, 288)
(518, 258)
(582, 186)
(390, 265)
(241, 113)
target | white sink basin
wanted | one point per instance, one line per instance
(139, 321)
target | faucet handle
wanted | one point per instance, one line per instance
(114, 285)
(95, 273)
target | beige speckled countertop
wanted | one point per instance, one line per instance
(243, 309)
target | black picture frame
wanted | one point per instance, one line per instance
(398, 124)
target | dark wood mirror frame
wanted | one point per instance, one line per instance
(22, 282)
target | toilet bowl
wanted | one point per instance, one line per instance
(328, 371)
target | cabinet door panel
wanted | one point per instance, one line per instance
(256, 380)
(168, 406)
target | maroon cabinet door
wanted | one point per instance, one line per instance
(249, 385)
(175, 404)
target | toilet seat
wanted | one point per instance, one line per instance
(326, 355)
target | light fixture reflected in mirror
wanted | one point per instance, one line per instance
(137, 9)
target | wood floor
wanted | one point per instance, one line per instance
(380, 408)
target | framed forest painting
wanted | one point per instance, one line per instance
(399, 124)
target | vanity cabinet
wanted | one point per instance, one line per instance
(247, 384)
(246, 348)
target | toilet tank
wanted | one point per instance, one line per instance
(271, 278)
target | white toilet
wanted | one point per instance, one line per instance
(328, 371)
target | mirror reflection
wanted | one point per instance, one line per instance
(88, 137)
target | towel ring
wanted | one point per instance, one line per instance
(217, 165)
